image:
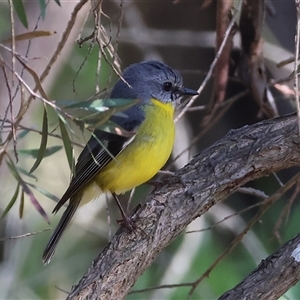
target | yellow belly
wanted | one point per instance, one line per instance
(146, 155)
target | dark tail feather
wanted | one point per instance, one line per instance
(59, 230)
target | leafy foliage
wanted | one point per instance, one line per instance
(21, 11)
(38, 169)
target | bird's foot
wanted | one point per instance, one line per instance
(128, 221)
(155, 183)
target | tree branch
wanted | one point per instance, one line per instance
(273, 277)
(211, 176)
(252, 67)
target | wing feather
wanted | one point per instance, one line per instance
(94, 156)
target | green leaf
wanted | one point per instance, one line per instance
(20, 10)
(22, 134)
(100, 104)
(67, 144)
(93, 113)
(27, 190)
(25, 172)
(44, 192)
(111, 127)
(34, 152)
(87, 107)
(43, 8)
(14, 171)
(43, 145)
(34, 201)
(58, 2)
(29, 35)
(11, 202)
(94, 120)
(21, 207)
(63, 119)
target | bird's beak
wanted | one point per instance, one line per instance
(185, 91)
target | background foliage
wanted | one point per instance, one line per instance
(182, 34)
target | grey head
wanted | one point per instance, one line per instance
(150, 79)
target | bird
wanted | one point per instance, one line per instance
(116, 163)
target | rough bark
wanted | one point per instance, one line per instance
(252, 67)
(273, 277)
(241, 156)
(222, 66)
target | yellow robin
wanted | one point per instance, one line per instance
(135, 159)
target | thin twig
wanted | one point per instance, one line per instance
(13, 66)
(58, 136)
(164, 286)
(3, 239)
(13, 41)
(46, 71)
(226, 218)
(224, 107)
(285, 213)
(267, 203)
(212, 66)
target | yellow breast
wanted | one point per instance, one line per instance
(146, 155)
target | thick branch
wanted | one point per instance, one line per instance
(273, 276)
(241, 156)
(252, 67)
(224, 8)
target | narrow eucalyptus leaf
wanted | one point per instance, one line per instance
(43, 144)
(11, 202)
(67, 144)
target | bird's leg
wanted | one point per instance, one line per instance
(126, 220)
(155, 183)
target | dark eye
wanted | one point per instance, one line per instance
(167, 86)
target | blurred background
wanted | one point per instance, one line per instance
(183, 35)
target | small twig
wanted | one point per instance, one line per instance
(253, 192)
(22, 127)
(10, 99)
(285, 213)
(286, 62)
(13, 41)
(267, 203)
(90, 49)
(164, 286)
(224, 107)
(32, 92)
(62, 290)
(114, 52)
(238, 238)
(46, 71)
(226, 218)
(277, 179)
(212, 66)
(64, 38)
(81, 41)
(197, 108)
(13, 61)
(130, 199)
(165, 172)
(23, 235)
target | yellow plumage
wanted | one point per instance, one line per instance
(137, 160)
(147, 153)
